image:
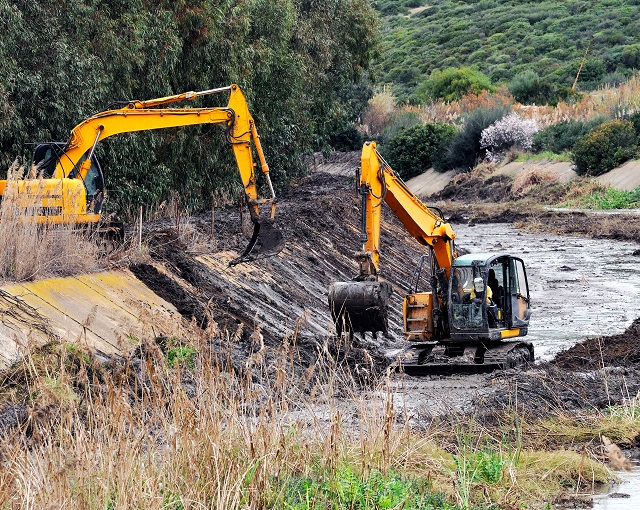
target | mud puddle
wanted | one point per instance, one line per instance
(579, 287)
(622, 495)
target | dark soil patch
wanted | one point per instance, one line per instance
(594, 374)
(468, 188)
(595, 353)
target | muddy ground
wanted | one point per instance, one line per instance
(284, 298)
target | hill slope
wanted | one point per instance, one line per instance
(503, 39)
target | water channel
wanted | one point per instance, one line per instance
(579, 287)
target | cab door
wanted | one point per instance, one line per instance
(518, 294)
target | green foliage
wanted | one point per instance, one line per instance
(634, 118)
(611, 198)
(347, 139)
(346, 489)
(301, 65)
(504, 39)
(475, 467)
(413, 150)
(528, 88)
(403, 120)
(605, 147)
(184, 356)
(561, 137)
(464, 150)
(451, 84)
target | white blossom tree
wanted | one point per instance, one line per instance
(509, 132)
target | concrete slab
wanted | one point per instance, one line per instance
(625, 177)
(430, 182)
(108, 311)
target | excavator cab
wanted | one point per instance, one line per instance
(488, 298)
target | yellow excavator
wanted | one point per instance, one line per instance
(461, 313)
(68, 186)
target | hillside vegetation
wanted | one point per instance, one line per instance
(505, 39)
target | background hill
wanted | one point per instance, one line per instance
(504, 39)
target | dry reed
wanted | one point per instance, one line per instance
(208, 431)
(30, 251)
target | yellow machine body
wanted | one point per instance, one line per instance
(72, 191)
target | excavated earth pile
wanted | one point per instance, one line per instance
(593, 374)
(284, 297)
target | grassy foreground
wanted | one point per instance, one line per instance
(183, 425)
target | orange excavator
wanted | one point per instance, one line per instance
(67, 186)
(461, 313)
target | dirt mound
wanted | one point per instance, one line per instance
(594, 353)
(470, 188)
(596, 373)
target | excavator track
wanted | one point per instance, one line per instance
(441, 359)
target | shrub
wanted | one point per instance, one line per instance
(402, 120)
(634, 118)
(561, 137)
(413, 150)
(379, 113)
(451, 84)
(347, 139)
(464, 149)
(605, 147)
(509, 132)
(528, 88)
(612, 198)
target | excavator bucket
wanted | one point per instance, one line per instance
(360, 306)
(266, 241)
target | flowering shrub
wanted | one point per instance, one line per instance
(510, 132)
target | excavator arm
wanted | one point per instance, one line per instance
(379, 183)
(361, 305)
(76, 158)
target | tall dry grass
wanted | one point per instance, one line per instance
(30, 251)
(609, 100)
(187, 424)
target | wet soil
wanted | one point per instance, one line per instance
(596, 353)
(285, 297)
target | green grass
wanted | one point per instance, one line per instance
(181, 356)
(610, 198)
(526, 157)
(346, 489)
